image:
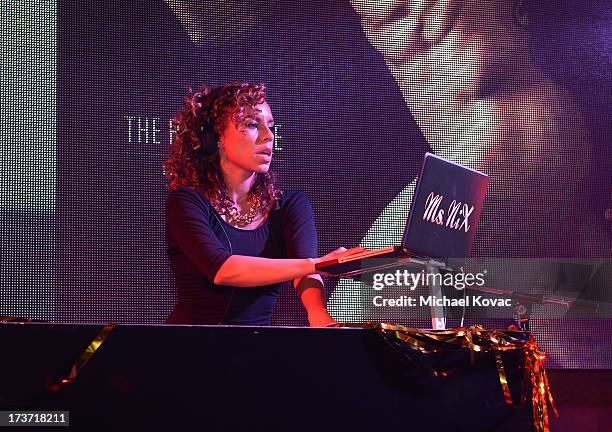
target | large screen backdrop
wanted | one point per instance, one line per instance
(359, 92)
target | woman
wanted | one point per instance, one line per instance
(232, 235)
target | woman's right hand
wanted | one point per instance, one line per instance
(339, 253)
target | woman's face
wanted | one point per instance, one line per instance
(248, 145)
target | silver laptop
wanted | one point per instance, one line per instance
(442, 222)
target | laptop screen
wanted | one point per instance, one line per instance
(445, 209)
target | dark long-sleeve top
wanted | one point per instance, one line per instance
(199, 241)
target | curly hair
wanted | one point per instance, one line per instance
(194, 153)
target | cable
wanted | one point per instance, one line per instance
(229, 243)
(463, 312)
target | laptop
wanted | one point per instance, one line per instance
(441, 224)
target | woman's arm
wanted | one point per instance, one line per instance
(247, 271)
(300, 237)
(310, 291)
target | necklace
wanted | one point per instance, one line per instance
(226, 207)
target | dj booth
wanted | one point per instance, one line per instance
(260, 378)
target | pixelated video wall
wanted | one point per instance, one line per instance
(517, 89)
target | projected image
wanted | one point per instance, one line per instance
(469, 74)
